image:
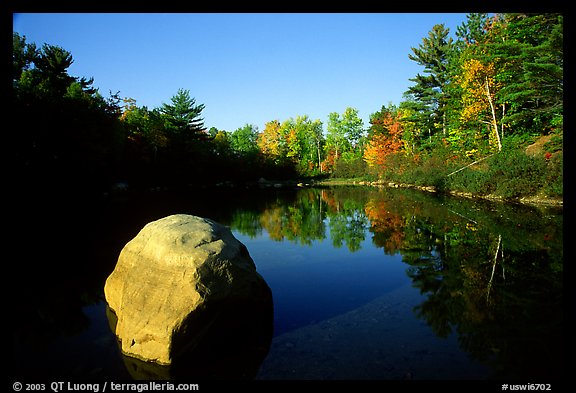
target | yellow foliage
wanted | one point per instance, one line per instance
(475, 76)
(269, 140)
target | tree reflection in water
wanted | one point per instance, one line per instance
(491, 273)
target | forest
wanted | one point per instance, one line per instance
(464, 124)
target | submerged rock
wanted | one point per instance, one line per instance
(180, 280)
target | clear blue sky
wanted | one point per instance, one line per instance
(245, 68)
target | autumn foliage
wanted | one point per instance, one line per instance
(388, 227)
(269, 141)
(492, 88)
(385, 137)
(479, 86)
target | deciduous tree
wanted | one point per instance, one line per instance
(270, 141)
(243, 140)
(385, 136)
(479, 96)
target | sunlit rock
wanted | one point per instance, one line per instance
(177, 282)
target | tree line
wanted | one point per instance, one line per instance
(493, 88)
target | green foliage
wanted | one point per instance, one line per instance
(511, 174)
(350, 166)
(555, 143)
(516, 174)
(23, 56)
(301, 141)
(554, 177)
(477, 182)
(501, 79)
(429, 91)
(519, 140)
(243, 140)
(344, 133)
(336, 137)
(183, 117)
(472, 30)
(352, 126)
(533, 84)
(67, 133)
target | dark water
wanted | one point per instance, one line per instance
(366, 283)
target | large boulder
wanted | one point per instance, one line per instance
(175, 280)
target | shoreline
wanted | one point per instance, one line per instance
(525, 200)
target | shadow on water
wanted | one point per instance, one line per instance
(491, 274)
(69, 246)
(225, 342)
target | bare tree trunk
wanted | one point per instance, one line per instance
(494, 121)
(493, 267)
(319, 157)
(320, 195)
(464, 167)
(502, 123)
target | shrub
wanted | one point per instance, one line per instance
(350, 168)
(554, 181)
(555, 143)
(471, 180)
(510, 173)
(517, 174)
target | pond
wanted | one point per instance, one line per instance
(367, 283)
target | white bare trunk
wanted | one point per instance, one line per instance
(494, 121)
(493, 267)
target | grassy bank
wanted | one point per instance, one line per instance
(532, 174)
(531, 200)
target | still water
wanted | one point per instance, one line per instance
(367, 283)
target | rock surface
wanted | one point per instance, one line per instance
(173, 282)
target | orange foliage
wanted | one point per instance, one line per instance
(386, 139)
(329, 162)
(385, 222)
(332, 203)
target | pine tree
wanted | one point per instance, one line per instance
(183, 116)
(427, 98)
(535, 85)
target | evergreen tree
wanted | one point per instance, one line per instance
(23, 55)
(183, 116)
(534, 87)
(427, 98)
(472, 30)
(66, 130)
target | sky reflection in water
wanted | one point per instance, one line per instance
(482, 273)
(366, 283)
